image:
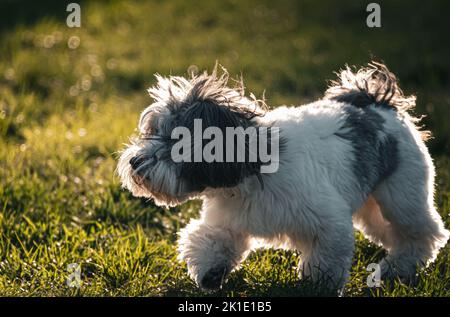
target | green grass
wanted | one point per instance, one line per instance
(64, 114)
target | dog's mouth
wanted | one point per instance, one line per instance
(141, 167)
(161, 198)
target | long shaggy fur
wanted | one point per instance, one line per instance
(354, 158)
(373, 84)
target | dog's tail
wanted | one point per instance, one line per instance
(372, 85)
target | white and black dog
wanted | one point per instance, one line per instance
(353, 158)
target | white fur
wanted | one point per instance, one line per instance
(310, 203)
(300, 207)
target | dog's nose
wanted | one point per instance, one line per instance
(136, 161)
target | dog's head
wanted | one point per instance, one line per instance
(147, 166)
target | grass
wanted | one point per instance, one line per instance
(65, 112)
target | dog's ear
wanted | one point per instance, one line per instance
(215, 174)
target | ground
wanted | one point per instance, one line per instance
(70, 98)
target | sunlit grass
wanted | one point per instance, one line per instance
(66, 112)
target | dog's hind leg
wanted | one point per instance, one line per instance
(369, 220)
(415, 232)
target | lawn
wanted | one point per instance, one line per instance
(71, 97)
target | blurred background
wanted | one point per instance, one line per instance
(287, 48)
(70, 98)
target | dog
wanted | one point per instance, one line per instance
(356, 158)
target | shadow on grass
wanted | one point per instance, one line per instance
(236, 287)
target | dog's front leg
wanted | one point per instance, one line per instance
(211, 253)
(327, 258)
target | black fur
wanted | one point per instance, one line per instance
(376, 153)
(217, 174)
(205, 97)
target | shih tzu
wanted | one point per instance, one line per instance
(354, 158)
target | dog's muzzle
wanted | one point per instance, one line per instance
(140, 158)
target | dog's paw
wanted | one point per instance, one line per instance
(214, 278)
(391, 271)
